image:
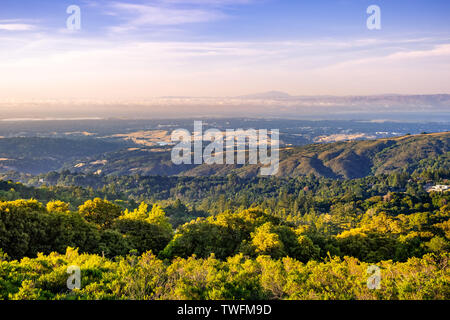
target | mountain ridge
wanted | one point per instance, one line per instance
(338, 160)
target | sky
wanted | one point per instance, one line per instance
(127, 50)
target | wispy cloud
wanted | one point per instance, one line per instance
(404, 56)
(137, 15)
(212, 2)
(168, 12)
(16, 25)
(161, 52)
(46, 66)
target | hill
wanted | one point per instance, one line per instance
(352, 159)
(38, 155)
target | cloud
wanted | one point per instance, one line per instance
(138, 15)
(212, 2)
(404, 56)
(59, 65)
(167, 12)
(16, 27)
(437, 51)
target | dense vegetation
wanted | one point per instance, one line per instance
(303, 238)
(237, 236)
(239, 277)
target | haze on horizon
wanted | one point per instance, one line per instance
(131, 50)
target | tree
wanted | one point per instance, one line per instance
(140, 213)
(438, 244)
(101, 212)
(26, 229)
(158, 216)
(57, 206)
(267, 242)
(142, 235)
(202, 238)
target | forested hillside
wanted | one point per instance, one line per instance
(37, 155)
(303, 238)
(339, 160)
(353, 159)
(308, 233)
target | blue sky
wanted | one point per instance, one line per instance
(143, 48)
(237, 19)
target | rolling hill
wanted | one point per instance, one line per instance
(362, 158)
(38, 155)
(353, 159)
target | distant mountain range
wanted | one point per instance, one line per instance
(397, 100)
(272, 104)
(268, 95)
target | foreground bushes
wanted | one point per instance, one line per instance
(249, 254)
(101, 227)
(27, 228)
(239, 277)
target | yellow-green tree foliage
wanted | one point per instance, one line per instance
(146, 277)
(57, 206)
(99, 211)
(266, 241)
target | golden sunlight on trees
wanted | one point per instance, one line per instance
(101, 212)
(57, 206)
(266, 241)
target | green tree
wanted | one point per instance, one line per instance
(57, 206)
(99, 211)
(267, 242)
